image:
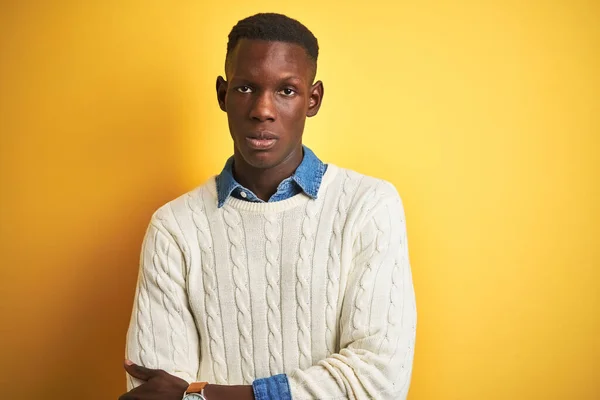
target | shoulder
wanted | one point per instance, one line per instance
(178, 213)
(367, 198)
(365, 188)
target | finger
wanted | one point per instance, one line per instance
(137, 371)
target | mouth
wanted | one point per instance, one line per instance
(261, 140)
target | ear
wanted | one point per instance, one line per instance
(221, 92)
(316, 97)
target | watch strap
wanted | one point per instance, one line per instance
(196, 387)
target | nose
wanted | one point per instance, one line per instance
(263, 108)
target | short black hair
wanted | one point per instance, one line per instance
(273, 27)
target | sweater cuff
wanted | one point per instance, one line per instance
(273, 388)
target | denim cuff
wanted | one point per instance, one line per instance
(275, 387)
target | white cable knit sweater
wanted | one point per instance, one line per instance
(318, 289)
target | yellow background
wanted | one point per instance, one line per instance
(484, 114)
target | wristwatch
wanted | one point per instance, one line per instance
(195, 391)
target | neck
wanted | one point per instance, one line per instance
(263, 182)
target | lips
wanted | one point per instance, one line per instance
(262, 135)
(261, 140)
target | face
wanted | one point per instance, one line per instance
(267, 97)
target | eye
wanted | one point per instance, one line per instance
(287, 92)
(244, 89)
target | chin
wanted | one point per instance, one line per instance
(260, 159)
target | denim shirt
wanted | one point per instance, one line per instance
(307, 178)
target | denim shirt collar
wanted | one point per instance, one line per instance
(307, 177)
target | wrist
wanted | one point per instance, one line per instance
(195, 391)
(227, 392)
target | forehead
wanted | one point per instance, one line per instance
(261, 58)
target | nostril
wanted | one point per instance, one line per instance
(262, 111)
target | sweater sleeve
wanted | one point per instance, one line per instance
(378, 317)
(162, 333)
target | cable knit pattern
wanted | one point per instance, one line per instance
(302, 284)
(318, 289)
(360, 319)
(273, 295)
(242, 295)
(178, 333)
(144, 319)
(214, 323)
(394, 311)
(333, 263)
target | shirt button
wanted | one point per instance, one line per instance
(243, 194)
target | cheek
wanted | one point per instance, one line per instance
(293, 112)
(231, 102)
(236, 109)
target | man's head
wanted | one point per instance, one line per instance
(270, 68)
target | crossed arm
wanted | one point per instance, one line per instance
(160, 385)
(376, 338)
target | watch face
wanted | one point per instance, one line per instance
(194, 396)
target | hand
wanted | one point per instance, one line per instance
(158, 384)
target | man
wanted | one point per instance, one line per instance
(282, 277)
